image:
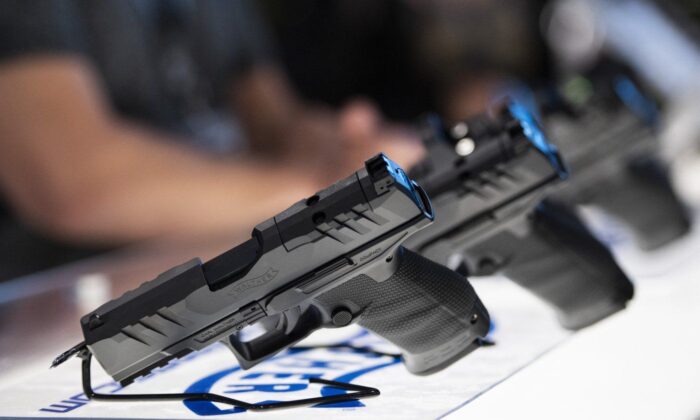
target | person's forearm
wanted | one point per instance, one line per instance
(70, 167)
(137, 186)
(146, 188)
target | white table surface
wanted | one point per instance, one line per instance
(642, 363)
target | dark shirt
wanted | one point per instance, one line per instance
(167, 63)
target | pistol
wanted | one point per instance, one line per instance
(606, 134)
(489, 177)
(325, 262)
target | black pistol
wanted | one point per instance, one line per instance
(605, 127)
(489, 178)
(325, 262)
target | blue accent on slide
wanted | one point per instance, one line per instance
(534, 133)
(635, 100)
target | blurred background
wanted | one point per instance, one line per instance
(136, 134)
(130, 121)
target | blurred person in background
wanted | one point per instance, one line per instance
(127, 120)
(409, 56)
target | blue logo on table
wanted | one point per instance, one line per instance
(286, 377)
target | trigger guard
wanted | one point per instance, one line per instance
(242, 362)
(297, 324)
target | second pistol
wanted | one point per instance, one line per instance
(489, 177)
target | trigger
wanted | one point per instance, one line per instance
(291, 317)
(271, 323)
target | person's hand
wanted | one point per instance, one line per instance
(367, 133)
(322, 143)
(332, 145)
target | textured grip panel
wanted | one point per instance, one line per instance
(565, 265)
(428, 310)
(645, 200)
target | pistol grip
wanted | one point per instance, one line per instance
(645, 200)
(426, 309)
(280, 333)
(561, 262)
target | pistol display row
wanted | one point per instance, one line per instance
(393, 252)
